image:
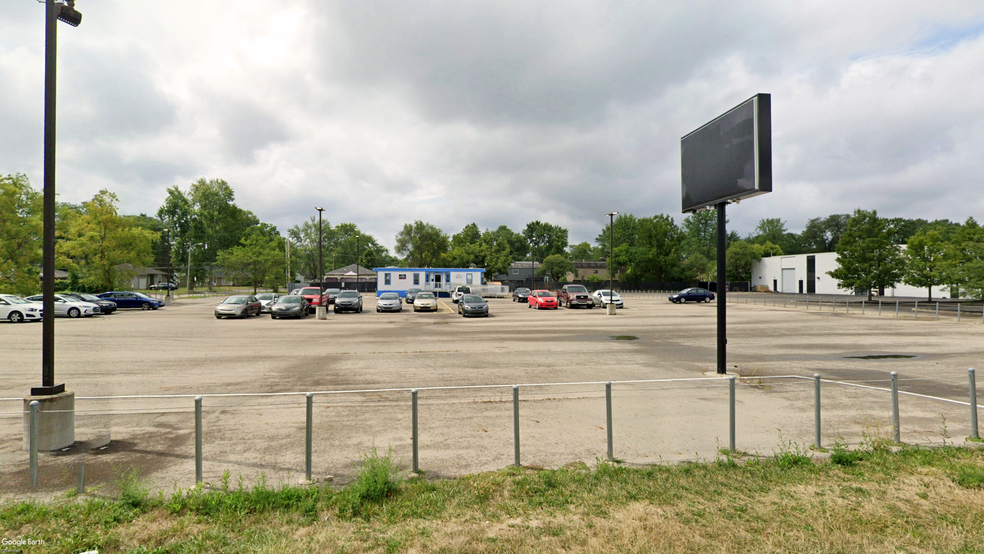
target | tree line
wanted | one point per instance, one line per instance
(201, 229)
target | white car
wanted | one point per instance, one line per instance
(66, 306)
(460, 291)
(425, 301)
(16, 309)
(604, 297)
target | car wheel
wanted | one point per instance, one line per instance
(74, 312)
(145, 306)
(15, 317)
(707, 300)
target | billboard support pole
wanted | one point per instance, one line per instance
(722, 340)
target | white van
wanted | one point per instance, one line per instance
(460, 291)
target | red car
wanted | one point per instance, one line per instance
(541, 299)
(312, 295)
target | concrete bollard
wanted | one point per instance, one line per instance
(416, 458)
(896, 433)
(198, 439)
(973, 403)
(608, 407)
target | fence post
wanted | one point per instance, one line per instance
(937, 311)
(848, 306)
(198, 439)
(80, 479)
(516, 423)
(731, 410)
(35, 408)
(973, 403)
(879, 307)
(608, 406)
(958, 313)
(796, 302)
(862, 307)
(895, 408)
(896, 308)
(783, 300)
(416, 458)
(308, 435)
(816, 409)
(915, 311)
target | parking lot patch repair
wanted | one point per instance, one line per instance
(881, 357)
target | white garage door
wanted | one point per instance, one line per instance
(789, 280)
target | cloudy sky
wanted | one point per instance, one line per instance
(500, 112)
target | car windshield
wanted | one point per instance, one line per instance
(389, 296)
(577, 288)
(89, 297)
(15, 300)
(348, 294)
(465, 290)
(605, 292)
(425, 295)
(235, 300)
(290, 300)
(523, 291)
(265, 296)
(310, 291)
(684, 291)
(472, 298)
(412, 291)
(333, 291)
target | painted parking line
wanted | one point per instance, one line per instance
(450, 310)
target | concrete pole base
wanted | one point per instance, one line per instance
(611, 309)
(56, 421)
(320, 312)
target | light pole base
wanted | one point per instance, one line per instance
(168, 300)
(56, 421)
(320, 312)
(611, 309)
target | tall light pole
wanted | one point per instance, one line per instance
(287, 255)
(321, 271)
(533, 263)
(611, 257)
(190, 248)
(357, 261)
(53, 13)
(167, 297)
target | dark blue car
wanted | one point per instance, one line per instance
(694, 294)
(129, 299)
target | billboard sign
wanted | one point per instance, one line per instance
(730, 157)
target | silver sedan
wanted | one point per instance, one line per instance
(66, 306)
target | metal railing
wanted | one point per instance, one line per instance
(882, 307)
(389, 403)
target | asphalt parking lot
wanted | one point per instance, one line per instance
(145, 368)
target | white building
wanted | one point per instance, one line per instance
(401, 279)
(807, 274)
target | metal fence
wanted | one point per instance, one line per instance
(883, 307)
(337, 433)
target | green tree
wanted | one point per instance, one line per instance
(556, 266)
(823, 234)
(518, 245)
(258, 260)
(97, 244)
(967, 259)
(926, 263)
(304, 247)
(584, 252)
(422, 244)
(21, 229)
(741, 257)
(545, 239)
(866, 257)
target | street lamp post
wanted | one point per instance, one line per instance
(190, 248)
(611, 261)
(533, 264)
(167, 297)
(357, 261)
(53, 13)
(321, 271)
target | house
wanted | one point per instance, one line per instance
(583, 270)
(440, 280)
(519, 274)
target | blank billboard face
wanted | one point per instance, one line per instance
(729, 158)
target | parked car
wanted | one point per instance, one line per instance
(521, 294)
(348, 301)
(311, 294)
(331, 295)
(163, 286)
(15, 309)
(106, 306)
(130, 299)
(604, 297)
(473, 304)
(292, 305)
(66, 306)
(425, 302)
(542, 299)
(459, 291)
(238, 305)
(574, 295)
(693, 294)
(267, 300)
(412, 294)
(389, 302)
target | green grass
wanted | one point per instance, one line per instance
(876, 499)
